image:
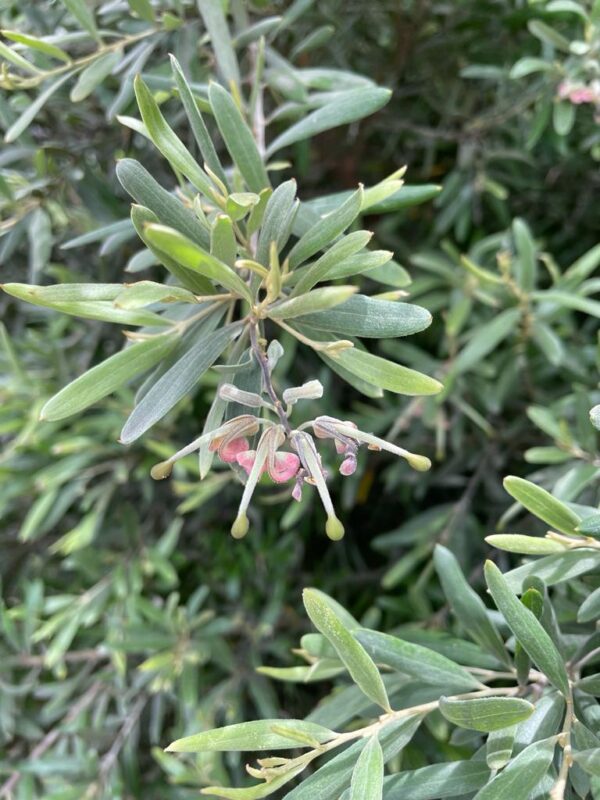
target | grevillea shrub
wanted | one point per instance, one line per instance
(314, 344)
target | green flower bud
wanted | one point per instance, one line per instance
(240, 527)
(334, 529)
(420, 463)
(162, 470)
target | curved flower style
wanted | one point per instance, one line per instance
(301, 463)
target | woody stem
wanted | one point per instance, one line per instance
(266, 373)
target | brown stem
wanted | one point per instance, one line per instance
(266, 373)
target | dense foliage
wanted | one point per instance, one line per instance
(225, 184)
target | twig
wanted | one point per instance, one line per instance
(266, 373)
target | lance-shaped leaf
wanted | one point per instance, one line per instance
(326, 230)
(415, 660)
(542, 504)
(102, 310)
(94, 74)
(467, 606)
(278, 219)
(141, 217)
(84, 15)
(589, 760)
(41, 45)
(216, 25)
(190, 255)
(385, 374)
(177, 382)
(519, 778)
(238, 138)
(357, 661)
(306, 277)
(367, 318)
(485, 339)
(144, 293)
(311, 301)
(367, 776)
(590, 608)
(530, 633)
(169, 144)
(105, 378)
(499, 747)
(137, 181)
(343, 107)
(486, 713)
(223, 245)
(556, 568)
(450, 779)
(197, 124)
(32, 110)
(527, 545)
(264, 734)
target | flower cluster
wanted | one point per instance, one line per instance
(285, 453)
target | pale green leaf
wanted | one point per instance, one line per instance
(542, 504)
(367, 776)
(485, 713)
(251, 736)
(520, 777)
(365, 317)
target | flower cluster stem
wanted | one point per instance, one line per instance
(266, 374)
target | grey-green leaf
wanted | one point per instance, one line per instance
(326, 230)
(358, 663)
(106, 377)
(176, 382)
(386, 374)
(529, 632)
(523, 773)
(367, 776)
(94, 74)
(216, 25)
(238, 138)
(368, 318)
(251, 736)
(450, 779)
(344, 107)
(415, 660)
(320, 270)
(542, 504)
(486, 713)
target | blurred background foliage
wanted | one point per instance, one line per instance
(126, 600)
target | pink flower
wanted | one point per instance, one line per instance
(229, 451)
(281, 468)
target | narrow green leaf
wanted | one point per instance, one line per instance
(176, 382)
(223, 244)
(467, 606)
(141, 217)
(366, 262)
(306, 277)
(143, 8)
(555, 569)
(238, 138)
(569, 300)
(364, 317)
(33, 109)
(367, 776)
(542, 504)
(526, 266)
(169, 144)
(520, 777)
(94, 74)
(315, 300)
(406, 197)
(416, 661)
(190, 255)
(250, 736)
(450, 779)
(485, 339)
(547, 34)
(144, 293)
(499, 747)
(88, 309)
(590, 526)
(14, 57)
(589, 760)
(386, 374)
(278, 219)
(526, 545)
(326, 230)
(37, 44)
(486, 713)
(532, 636)
(106, 377)
(358, 663)
(216, 25)
(197, 124)
(84, 15)
(590, 608)
(344, 107)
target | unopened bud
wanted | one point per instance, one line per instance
(420, 463)
(312, 390)
(162, 470)
(232, 394)
(334, 528)
(240, 527)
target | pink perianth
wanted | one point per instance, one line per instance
(230, 452)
